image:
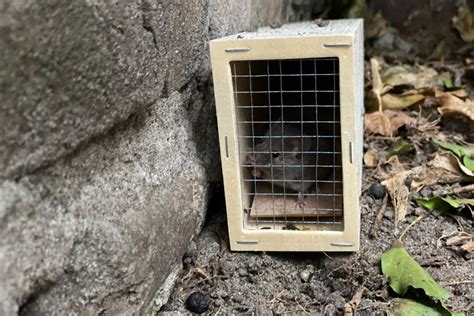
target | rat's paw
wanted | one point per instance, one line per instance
(300, 202)
(257, 173)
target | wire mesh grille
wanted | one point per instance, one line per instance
(288, 115)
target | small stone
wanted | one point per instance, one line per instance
(426, 192)
(377, 190)
(330, 309)
(389, 213)
(197, 302)
(280, 309)
(252, 279)
(305, 275)
(242, 272)
(306, 289)
(238, 298)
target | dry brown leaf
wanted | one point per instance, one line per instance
(462, 167)
(398, 192)
(371, 158)
(443, 168)
(377, 85)
(450, 104)
(386, 123)
(351, 306)
(418, 77)
(460, 93)
(463, 239)
(468, 247)
(400, 101)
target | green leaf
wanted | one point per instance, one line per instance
(400, 147)
(404, 272)
(448, 83)
(443, 204)
(468, 162)
(466, 154)
(407, 307)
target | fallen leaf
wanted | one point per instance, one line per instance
(463, 239)
(444, 204)
(351, 306)
(387, 123)
(398, 192)
(438, 51)
(371, 158)
(450, 104)
(408, 307)
(376, 25)
(445, 77)
(377, 85)
(443, 168)
(404, 272)
(400, 101)
(468, 247)
(460, 93)
(465, 154)
(400, 147)
(464, 22)
(417, 77)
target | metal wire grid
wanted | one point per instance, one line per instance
(260, 113)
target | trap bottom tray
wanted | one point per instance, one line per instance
(325, 205)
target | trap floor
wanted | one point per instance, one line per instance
(323, 204)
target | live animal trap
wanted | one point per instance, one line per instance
(290, 110)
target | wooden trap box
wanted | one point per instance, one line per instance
(290, 113)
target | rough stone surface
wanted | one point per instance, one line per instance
(108, 144)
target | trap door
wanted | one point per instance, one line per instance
(289, 137)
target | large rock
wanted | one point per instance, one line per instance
(108, 143)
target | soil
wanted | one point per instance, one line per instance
(279, 283)
(322, 283)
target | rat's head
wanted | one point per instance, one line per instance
(278, 152)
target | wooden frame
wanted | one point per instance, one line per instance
(339, 38)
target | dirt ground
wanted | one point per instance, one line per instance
(322, 283)
(279, 283)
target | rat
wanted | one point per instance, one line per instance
(287, 152)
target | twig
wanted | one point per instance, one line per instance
(302, 308)
(467, 188)
(351, 306)
(328, 256)
(277, 297)
(457, 282)
(378, 218)
(419, 218)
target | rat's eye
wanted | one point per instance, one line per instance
(275, 154)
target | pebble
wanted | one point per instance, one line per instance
(305, 275)
(252, 279)
(238, 298)
(242, 272)
(197, 302)
(377, 190)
